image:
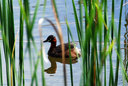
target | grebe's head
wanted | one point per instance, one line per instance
(51, 39)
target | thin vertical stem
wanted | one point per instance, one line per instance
(21, 60)
(105, 34)
(118, 44)
(60, 38)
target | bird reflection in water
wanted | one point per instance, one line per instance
(53, 60)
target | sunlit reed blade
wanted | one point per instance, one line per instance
(60, 38)
(44, 8)
(34, 75)
(105, 34)
(25, 10)
(118, 43)
(71, 72)
(77, 22)
(112, 19)
(94, 55)
(69, 35)
(4, 32)
(81, 18)
(35, 14)
(42, 55)
(21, 59)
(11, 36)
(111, 78)
(1, 75)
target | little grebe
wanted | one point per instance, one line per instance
(55, 51)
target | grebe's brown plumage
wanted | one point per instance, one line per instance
(55, 51)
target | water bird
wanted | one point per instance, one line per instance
(55, 51)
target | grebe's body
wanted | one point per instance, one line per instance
(55, 51)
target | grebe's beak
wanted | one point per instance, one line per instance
(45, 40)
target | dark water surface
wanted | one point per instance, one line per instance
(54, 70)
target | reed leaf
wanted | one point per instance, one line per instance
(34, 76)
(71, 72)
(60, 38)
(118, 43)
(105, 43)
(77, 22)
(4, 31)
(1, 74)
(11, 37)
(35, 14)
(21, 58)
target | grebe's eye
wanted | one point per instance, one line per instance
(49, 40)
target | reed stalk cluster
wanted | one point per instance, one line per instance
(97, 39)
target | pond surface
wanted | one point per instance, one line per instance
(54, 71)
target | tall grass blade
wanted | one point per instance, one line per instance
(28, 29)
(105, 34)
(71, 72)
(34, 76)
(77, 22)
(60, 38)
(35, 14)
(21, 58)
(87, 44)
(81, 18)
(118, 43)
(11, 36)
(69, 34)
(4, 32)
(1, 75)
(111, 79)
(42, 61)
(44, 8)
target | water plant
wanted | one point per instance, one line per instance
(97, 40)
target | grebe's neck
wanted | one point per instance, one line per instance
(53, 43)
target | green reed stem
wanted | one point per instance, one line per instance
(87, 60)
(35, 14)
(11, 38)
(112, 29)
(4, 29)
(100, 31)
(118, 44)
(29, 31)
(42, 68)
(105, 34)
(77, 22)
(0, 14)
(69, 34)
(91, 68)
(21, 59)
(59, 33)
(34, 76)
(71, 72)
(111, 79)
(81, 18)
(1, 76)
(44, 8)
(29, 27)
